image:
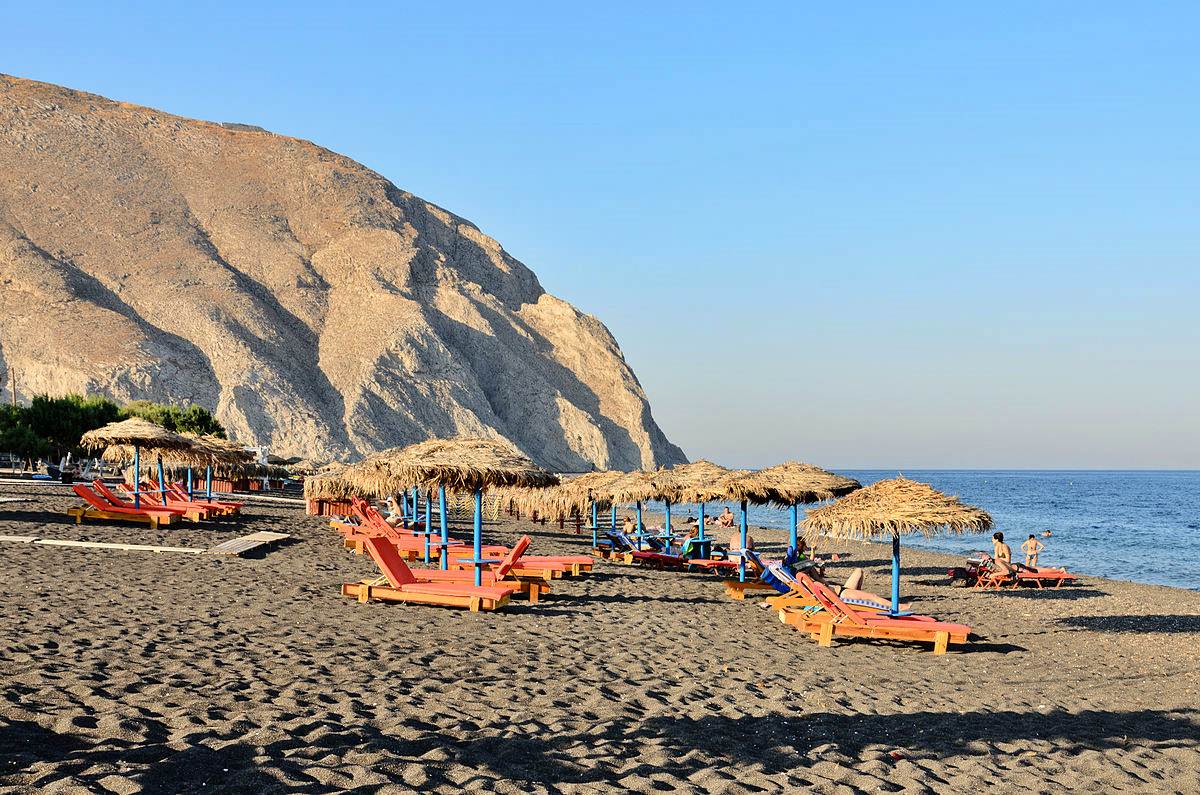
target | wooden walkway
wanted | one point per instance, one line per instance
(240, 546)
(234, 547)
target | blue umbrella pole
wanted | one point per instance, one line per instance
(793, 536)
(137, 476)
(667, 525)
(742, 560)
(478, 537)
(162, 482)
(445, 528)
(428, 525)
(895, 574)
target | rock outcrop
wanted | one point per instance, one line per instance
(306, 300)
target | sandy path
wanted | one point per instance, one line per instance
(170, 673)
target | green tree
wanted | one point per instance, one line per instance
(193, 419)
(16, 436)
(61, 421)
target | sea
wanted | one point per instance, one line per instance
(1137, 525)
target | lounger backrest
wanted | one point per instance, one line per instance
(106, 493)
(514, 554)
(384, 553)
(90, 497)
(827, 598)
(753, 557)
(779, 578)
(368, 517)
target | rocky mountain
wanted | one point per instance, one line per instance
(306, 300)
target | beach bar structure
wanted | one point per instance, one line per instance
(894, 508)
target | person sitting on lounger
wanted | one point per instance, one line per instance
(1001, 556)
(629, 526)
(1000, 550)
(735, 541)
(1031, 548)
(393, 516)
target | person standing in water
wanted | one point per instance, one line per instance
(1031, 548)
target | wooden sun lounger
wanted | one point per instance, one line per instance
(836, 618)
(530, 566)
(411, 547)
(99, 508)
(148, 502)
(501, 574)
(177, 494)
(1023, 575)
(736, 589)
(403, 586)
(188, 509)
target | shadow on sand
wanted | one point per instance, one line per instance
(1164, 624)
(778, 743)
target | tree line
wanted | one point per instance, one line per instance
(53, 425)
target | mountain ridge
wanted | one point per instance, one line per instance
(305, 299)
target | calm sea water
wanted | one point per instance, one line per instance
(1141, 526)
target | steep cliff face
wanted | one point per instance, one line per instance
(310, 303)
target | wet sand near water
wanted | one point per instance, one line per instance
(141, 672)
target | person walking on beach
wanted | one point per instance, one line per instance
(1031, 548)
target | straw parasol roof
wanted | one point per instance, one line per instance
(790, 483)
(632, 487)
(120, 438)
(457, 464)
(699, 481)
(134, 431)
(308, 466)
(569, 497)
(328, 487)
(895, 507)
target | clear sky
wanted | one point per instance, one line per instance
(886, 234)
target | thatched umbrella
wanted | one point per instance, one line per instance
(633, 487)
(586, 491)
(698, 482)
(216, 453)
(132, 435)
(456, 464)
(788, 485)
(895, 507)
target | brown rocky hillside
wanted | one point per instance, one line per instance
(309, 302)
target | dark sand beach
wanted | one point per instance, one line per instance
(134, 671)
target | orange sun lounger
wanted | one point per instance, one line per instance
(836, 618)
(403, 585)
(149, 501)
(1039, 576)
(371, 522)
(99, 508)
(500, 574)
(176, 493)
(154, 496)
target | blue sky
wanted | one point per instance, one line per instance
(886, 235)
